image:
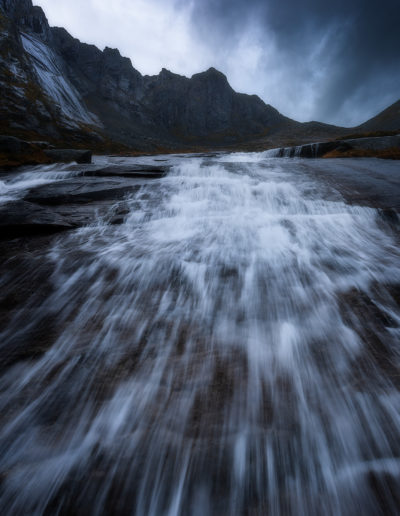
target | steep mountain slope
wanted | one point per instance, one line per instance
(387, 120)
(167, 107)
(59, 88)
(37, 99)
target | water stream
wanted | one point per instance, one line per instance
(231, 348)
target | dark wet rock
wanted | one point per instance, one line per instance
(385, 486)
(362, 182)
(377, 143)
(311, 150)
(82, 214)
(11, 145)
(69, 155)
(19, 152)
(372, 324)
(42, 144)
(16, 152)
(132, 171)
(83, 190)
(390, 216)
(117, 220)
(21, 218)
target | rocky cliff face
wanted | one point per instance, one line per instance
(38, 100)
(167, 107)
(57, 88)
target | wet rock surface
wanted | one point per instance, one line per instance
(82, 190)
(366, 182)
(132, 171)
(15, 152)
(77, 201)
(225, 326)
(369, 146)
(21, 218)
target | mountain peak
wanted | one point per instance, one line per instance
(28, 17)
(19, 7)
(211, 73)
(112, 51)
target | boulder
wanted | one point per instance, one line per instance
(69, 155)
(13, 146)
(15, 152)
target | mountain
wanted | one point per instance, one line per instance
(38, 101)
(387, 120)
(56, 88)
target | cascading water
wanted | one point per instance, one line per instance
(210, 356)
(13, 188)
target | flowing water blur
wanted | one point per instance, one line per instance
(231, 348)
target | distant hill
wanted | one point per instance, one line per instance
(387, 120)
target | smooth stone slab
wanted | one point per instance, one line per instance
(69, 155)
(82, 190)
(21, 218)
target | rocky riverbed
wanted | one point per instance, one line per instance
(200, 334)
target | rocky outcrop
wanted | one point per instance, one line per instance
(37, 100)
(385, 147)
(15, 146)
(94, 191)
(16, 152)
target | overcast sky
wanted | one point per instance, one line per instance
(336, 61)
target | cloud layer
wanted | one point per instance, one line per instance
(337, 62)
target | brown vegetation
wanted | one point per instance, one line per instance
(370, 134)
(390, 153)
(35, 156)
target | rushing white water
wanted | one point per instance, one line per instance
(214, 354)
(14, 186)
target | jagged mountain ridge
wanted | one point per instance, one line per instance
(75, 87)
(60, 88)
(56, 87)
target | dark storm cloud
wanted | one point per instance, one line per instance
(344, 54)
